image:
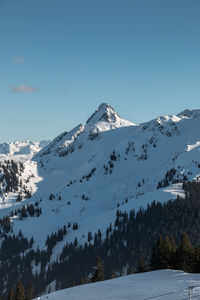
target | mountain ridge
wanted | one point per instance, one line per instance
(83, 176)
(22, 147)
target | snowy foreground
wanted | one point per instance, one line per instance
(163, 284)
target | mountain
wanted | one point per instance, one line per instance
(103, 119)
(189, 113)
(77, 183)
(22, 147)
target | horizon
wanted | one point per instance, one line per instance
(60, 60)
(139, 123)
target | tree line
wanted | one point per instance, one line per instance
(125, 247)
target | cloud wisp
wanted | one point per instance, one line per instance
(24, 89)
(17, 60)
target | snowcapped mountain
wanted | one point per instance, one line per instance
(106, 164)
(22, 147)
(103, 119)
(82, 177)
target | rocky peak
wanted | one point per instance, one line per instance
(106, 118)
(105, 113)
(189, 113)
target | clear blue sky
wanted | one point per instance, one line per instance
(60, 59)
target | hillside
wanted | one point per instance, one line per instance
(168, 283)
(78, 182)
(108, 163)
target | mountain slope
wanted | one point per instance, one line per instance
(108, 163)
(170, 284)
(81, 178)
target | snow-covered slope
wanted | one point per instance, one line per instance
(18, 173)
(106, 164)
(163, 284)
(86, 174)
(103, 119)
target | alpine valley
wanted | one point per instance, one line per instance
(107, 188)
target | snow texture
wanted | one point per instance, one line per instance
(20, 148)
(105, 165)
(162, 284)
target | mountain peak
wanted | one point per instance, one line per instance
(105, 113)
(106, 118)
(189, 113)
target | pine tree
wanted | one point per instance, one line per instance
(169, 253)
(173, 249)
(20, 294)
(11, 295)
(112, 274)
(98, 273)
(197, 260)
(130, 270)
(185, 254)
(83, 281)
(29, 292)
(157, 261)
(141, 266)
(89, 236)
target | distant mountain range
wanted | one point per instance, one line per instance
(22, 147)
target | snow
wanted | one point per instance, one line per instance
(191, 147)
(21, 147)
(107, 115)
(171, 284)
(144, 153)
(8, 202)
(189, 113)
